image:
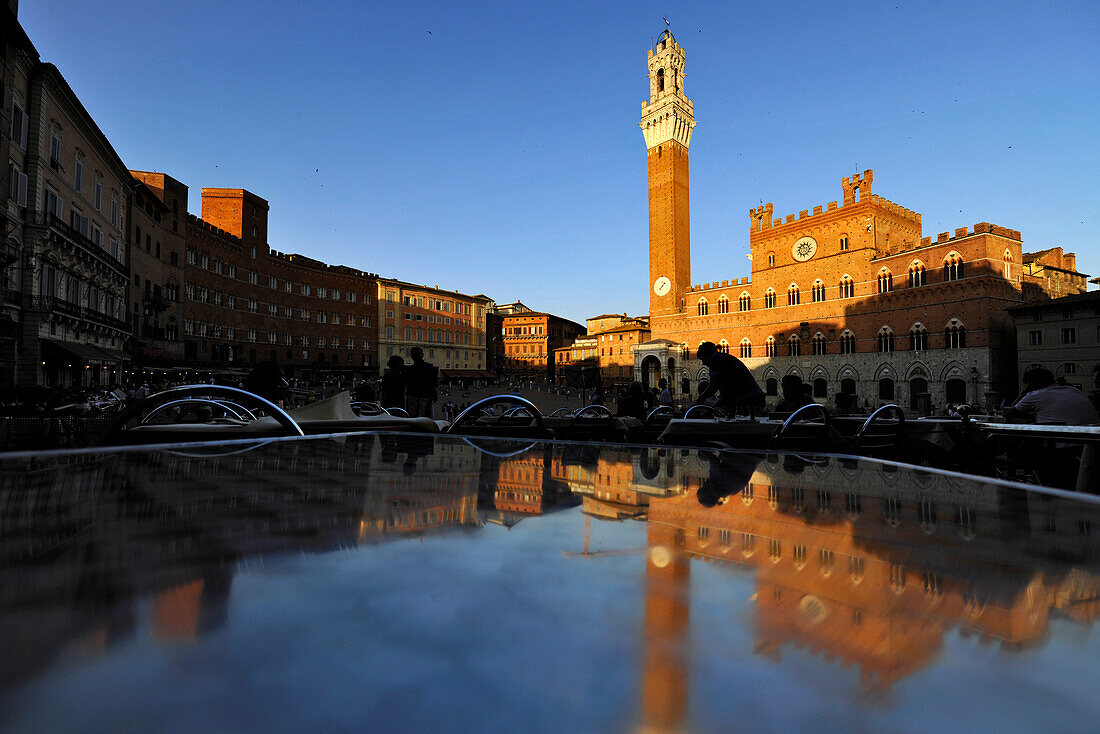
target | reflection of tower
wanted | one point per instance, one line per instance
(191, 610)
(667, 122)
(668, 576)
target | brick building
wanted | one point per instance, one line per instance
(1052, 274)
(494, 327)
(246, 303)
(609, 345)
(449, 326)
(156, 244)
(850, 296)
(530, 339)
(1062, 335)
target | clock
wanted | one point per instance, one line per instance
(662, 286)
(804, 248)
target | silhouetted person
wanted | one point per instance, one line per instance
(364, 393)
(421, 379)
(730, 379)
(793, 396)
(266, 380)
(1045, 401)
(633, 403)
(664, 397)
(729, 474)
(393, 383)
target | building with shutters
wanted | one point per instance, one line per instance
(64, 255)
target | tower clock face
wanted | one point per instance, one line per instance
(804, 249)
(662, 286)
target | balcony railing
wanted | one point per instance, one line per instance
(157, 302)
(53, 304)
(105, 320)
(81, 241)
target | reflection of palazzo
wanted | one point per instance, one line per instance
(873, 575)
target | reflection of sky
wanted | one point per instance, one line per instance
(496, 630)
(493, 631)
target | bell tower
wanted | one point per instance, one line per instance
(667, 122)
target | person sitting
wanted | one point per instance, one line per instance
(730, 379)
(633, 403)
(1047, 402)
(793, 395)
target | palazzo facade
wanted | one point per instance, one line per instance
(850, 296)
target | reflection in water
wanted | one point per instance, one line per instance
(855, 561)
(861, 563)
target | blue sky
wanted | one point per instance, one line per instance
(494, 147)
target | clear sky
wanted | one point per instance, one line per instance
(494, 147)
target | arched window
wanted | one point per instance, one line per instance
(954, 390)
(723, 304)
(72, 290)
(847, 342)
(918, 338)
(660, 80)
(746, 348)
(952, 266)
(821, 388)
(819, 343)
(916, 274)
(724, 347)
(771, 386)
(847, 287)
(792, 295)
(794, 346)
(885, 339)
(885, 281)
(771, 260)
(954, 335)
(917, 386)
(885, 389)
(848, 386)
(702, 307)
(1007, 272)
(843, 242)
(769, 346)
(769, 298)
(818, 291)
(745, 301)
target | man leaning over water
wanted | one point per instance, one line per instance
(731, 379)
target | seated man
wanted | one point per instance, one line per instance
(793, 395)
(1047, 402)
(633, 403)
(731, 379)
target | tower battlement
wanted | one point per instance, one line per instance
(761, 218)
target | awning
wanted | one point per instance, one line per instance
(113, 355)
(82, 352)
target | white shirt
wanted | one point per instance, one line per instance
(1058, 404)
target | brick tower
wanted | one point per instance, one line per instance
(667, 122)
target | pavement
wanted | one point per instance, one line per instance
(546, 397)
